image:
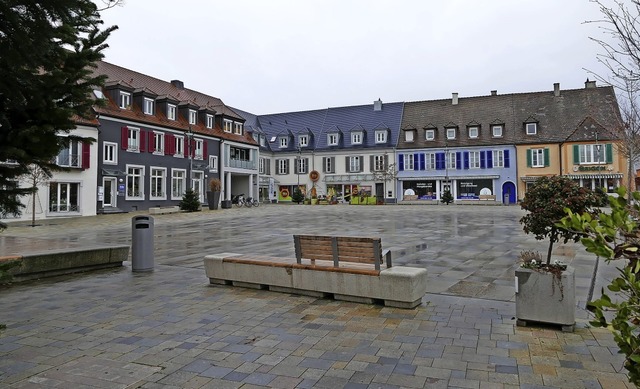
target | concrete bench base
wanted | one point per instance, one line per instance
(401, 287)
(163, 210)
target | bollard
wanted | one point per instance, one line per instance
(142, 257)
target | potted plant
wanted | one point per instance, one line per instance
(213, 194)
(545, 291)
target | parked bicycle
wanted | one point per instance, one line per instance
(238, 200)
(251, 202)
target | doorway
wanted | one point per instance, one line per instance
(508, 193)
(110, 192)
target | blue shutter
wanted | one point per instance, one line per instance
(401, 162)
(422, 162)
(458, 160)
(416, 161)
(489, 159)
(466, 159)
(440, 163)
(506, 158)
(482, 159)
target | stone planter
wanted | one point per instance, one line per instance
(546, 298)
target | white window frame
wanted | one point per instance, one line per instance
(588, 153)
(498, 158)
(261, 165)
(237, 128)
(139, 179)
(496, 131)
(450, 160)
(228, 125)
(65, 202)
(282, 166)
(474, 160)
(451, 133)
(378, 163)
(328, 168)
(178, 183)
(430, 135)
(430, 161)
(179, 146)
(303, 165)
(531, 128)
(133, 139)
(171, 111)
(193, 116)
(198, 149)
(381, 136)
(70, 155)
(408, 161)
(356, 138)
(284, 142)
(355, 164)
(148, 106)
(409, 136)
(537, 157)
(213, 163)
(125, 100)
(332, 139)
(209, 121)
(153, 181)
(474, 132)
(303, 140)
(110, 153)
(158, 143)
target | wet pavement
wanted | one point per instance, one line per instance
(170, 328)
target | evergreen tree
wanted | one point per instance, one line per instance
(447, 197)
(297, 196)
(47, 51)
(190, 201)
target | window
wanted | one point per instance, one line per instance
(332, 139)
(356, 138)
(303, 140)
(237, 128)
(213, 163)
(408, 162)
(70, 155)
(228, 125)
(283, 142)
(209, 121)
(430, 159)
(239, 154)
(498, 158)
(125, 100)
(178, 181)
(263, 141)
(592, 154)
(283, 166)
(537, 157)
(450, 160)
(198, 149)
(379, 163)
(133, 142)
(158, 179)
(532, 128)
(328, 163)
(408, 136)
(451, 133)
(193, 116)
(430, 134)
(64, 197)
(110, 153)
(303, 165)
(171, 112)
(473, 132)
(158, 142)
(381, 136)
(355, 164)
(497, 131)
(148, 106)
(474, 160)
(179, 149)
(135, 175)
(261, 168)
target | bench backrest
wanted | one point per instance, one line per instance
(340, 248)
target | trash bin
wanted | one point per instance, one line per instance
(505, 200)
(226, 204)
(142, 257)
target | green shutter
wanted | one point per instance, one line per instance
(609, 153)
(528, 157)
(576, 155)
(546, 158)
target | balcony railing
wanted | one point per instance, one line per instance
(242, 164)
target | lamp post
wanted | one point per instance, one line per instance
(298, 158)
(190, 151)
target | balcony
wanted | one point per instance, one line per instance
(242, 164)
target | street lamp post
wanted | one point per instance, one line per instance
(298, 159)
(190, 151)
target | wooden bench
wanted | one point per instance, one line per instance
(345, 268)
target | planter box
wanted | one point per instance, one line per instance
(545, 298)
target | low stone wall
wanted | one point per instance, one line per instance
(399, 286)
(163, 210)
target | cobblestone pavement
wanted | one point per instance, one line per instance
(170, 328)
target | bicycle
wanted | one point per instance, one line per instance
(238, 200)
(251, 202)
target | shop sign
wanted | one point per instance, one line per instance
(598, 168)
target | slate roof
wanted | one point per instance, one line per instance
(117, 75)
(558, 117)
(318, 123)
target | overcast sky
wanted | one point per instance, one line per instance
(279, 56)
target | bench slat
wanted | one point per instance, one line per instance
(365, 250)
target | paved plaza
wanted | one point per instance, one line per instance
(171, 329)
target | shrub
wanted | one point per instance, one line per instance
(190, 201)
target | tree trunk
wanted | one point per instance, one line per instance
(551, 240)
(33, 204)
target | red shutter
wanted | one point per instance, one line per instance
(143, 140)
(204, 150)
(152, 143)
(86, 155)
(192, 149)
(124, 139)
(168, 144)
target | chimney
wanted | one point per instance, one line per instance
(178, 84)
(494, 93)
(377, 105)
(556, 89)
(589, 84)
(454, 98)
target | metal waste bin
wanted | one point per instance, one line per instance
(505, 200)
(142, 257)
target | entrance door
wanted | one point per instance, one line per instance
(380, 192)
(110, 195)
(445, 186)
(197, 179)
(508, 193)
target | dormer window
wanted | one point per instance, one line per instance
(284, 142)
(125, 100)
(332, 139)
(237, 128)
(209, 121)
(409, 135)
(356, 138)
(473, 132)
(381, 136)
(430, 134)
(193, 116)
(303, 140)
(148, 106)
(171, 112)
(496, 131)
(532, 128)
(228, 125)
(451, 133)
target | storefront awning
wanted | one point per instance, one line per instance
(348, 178)
(606, 175)
(113, 172)
(490, 177)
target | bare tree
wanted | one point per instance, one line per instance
(110, 4)
(35, 178)
(389, 173)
